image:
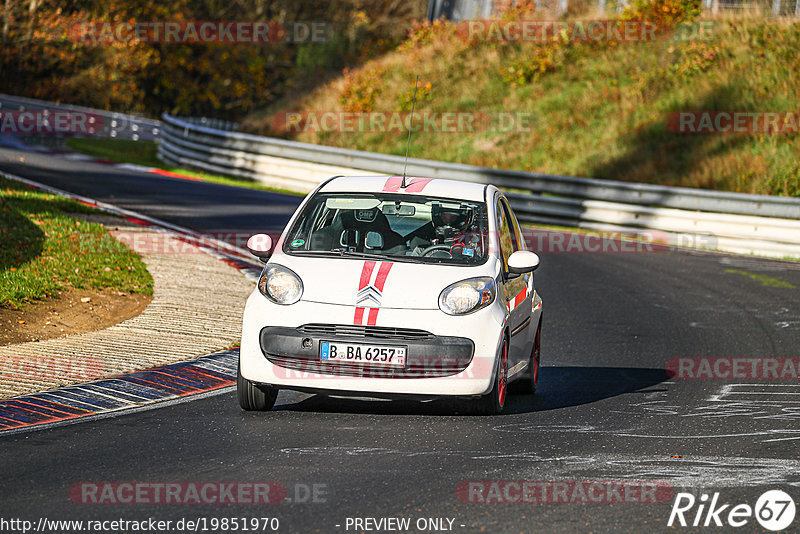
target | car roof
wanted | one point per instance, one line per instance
(434, 187)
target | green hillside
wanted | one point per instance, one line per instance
(596, 109)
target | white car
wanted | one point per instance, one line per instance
(392, 287)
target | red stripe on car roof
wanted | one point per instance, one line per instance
(414, 185)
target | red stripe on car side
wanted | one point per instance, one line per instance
(520, 297)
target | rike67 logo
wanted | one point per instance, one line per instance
(774, 510)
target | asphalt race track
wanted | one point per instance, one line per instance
(607, 409)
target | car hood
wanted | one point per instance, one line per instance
(376, 284)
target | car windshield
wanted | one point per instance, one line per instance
(402, 227)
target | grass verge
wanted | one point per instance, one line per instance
(146, 153)
(44, 249)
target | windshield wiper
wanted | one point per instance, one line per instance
(344, 253)
(314, 252)
(369, 256)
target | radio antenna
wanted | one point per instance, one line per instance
(410, 122)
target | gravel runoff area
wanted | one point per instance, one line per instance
(196, 309)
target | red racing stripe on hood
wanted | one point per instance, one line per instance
(414, 185)
(358, 318)
(373, 316)
(366, 274)
(383, 274)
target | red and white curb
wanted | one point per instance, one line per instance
(124, 166)
(209, 374)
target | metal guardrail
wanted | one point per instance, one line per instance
(737, 222)
(113, 125)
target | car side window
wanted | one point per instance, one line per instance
(519, 241)
(507, 244)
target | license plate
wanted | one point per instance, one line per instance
(380, 355)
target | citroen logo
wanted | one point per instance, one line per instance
(368, 294)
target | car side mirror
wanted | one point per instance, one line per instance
(522, 261)
(260, 246)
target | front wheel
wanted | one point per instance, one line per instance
(252, 396)
(493, 402)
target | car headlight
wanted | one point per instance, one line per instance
(280, 285)
(467, 296)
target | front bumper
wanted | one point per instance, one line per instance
(457, 359)
(427, 355)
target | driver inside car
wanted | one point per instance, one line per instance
(450, 231)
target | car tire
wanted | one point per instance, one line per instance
(493, 402)
(530, 379)
(254, 397)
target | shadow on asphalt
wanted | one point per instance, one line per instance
(559, 387)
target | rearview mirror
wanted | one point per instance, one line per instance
(403, 210)
(260, 246)
(522, 261)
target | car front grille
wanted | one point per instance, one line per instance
(427, 355)
(374, 332)
(419, 369)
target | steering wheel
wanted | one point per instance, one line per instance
(434, 248)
